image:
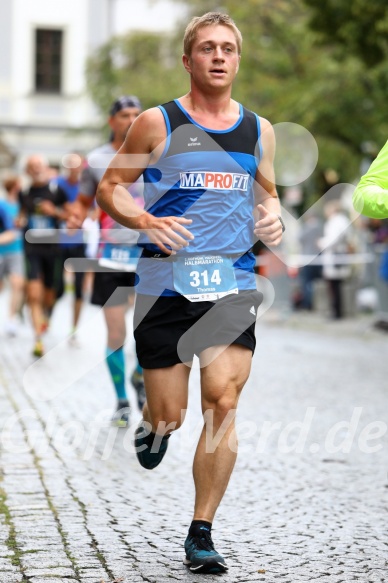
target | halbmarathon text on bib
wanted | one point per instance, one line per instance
(214, 180)
(204, 277)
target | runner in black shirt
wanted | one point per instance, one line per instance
(42, 207)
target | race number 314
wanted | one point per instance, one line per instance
(202, 278)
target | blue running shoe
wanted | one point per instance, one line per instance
(150, 447)
(201, 557)
(137, 381)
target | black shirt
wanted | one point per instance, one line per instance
(44, 236)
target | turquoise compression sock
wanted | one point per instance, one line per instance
(116, 364)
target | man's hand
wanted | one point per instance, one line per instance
(268, 228)
(168, 233)
(48, 208)
(21, 221)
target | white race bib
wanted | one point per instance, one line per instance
(120, 257)
(202, 278)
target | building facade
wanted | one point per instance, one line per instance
(44, 106)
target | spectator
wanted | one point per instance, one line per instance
(336, 244)
(311, 232)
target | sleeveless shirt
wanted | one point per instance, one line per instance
(205, 175)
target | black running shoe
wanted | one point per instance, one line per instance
(121, 415)
(201, 557)
(150, 447)
(137, 381)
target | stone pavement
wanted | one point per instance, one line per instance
(307, 500)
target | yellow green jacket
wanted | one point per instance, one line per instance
(371, 195)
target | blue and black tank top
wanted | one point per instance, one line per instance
(206, 175)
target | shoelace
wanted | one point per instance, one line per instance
(204, 541)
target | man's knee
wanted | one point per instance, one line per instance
(115, 341)
(116, 333)
(34, 292)
(168, 419)
(219, 409)
(167, 424)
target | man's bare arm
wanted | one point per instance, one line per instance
(268, 227)
(141, 147)
(7, 237)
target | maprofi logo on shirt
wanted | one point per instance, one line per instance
(214, 180)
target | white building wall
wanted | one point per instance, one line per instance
(54, 124)
(31, 121)
(71, 16)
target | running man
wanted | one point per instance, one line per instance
(7, 229)
(42, 207)
(207, 164)
(71, 246)
(8, 236)
(114, 280)
(371, 195)
(12, 256)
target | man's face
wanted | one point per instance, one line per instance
(74, 165)
(122, 121)
(214, 58)
(37, 169)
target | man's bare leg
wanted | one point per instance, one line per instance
(164, 412)
(167, 395)
(222, 382)
(35, 293)
(115, 360)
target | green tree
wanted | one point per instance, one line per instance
(140, 63)
(358, 26)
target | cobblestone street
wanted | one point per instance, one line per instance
(307, 500)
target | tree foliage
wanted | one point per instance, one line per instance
(141, 63)
(357, 26)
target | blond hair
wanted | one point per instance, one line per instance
(207, 20)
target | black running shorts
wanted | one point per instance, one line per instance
(170, 330)
(112, 288)
(67, 254)
(44, 266)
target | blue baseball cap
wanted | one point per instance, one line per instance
(123, 102)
